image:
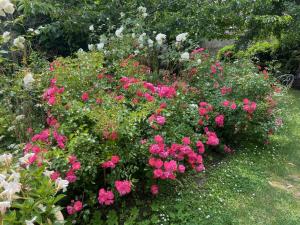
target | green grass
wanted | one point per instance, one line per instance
(258, 185)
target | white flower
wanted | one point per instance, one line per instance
(10, 190)
(119, 32)
(59, 216)
(141, 38)
(30, 30)
(91, 28)
(30, 222)
(11, 128)
(6, 159)
(199, 61)
(19, 42)
(122, 14)
(160, 38)
(3, 3)
(48, 173)
(150, 43)
(6, 36)
(100, 46)
(91, 47)
(3, 206)
(2, 179)
(9, 8)
(28, 80)
(133, 35)
(20, 117)
(61, 184)
(15, 177)
(181, 37)
(142, 9)
(185, 56)
(6, 7)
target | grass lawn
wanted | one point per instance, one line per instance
(259, 185)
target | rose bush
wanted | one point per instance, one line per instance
(134, 115)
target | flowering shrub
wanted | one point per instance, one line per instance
(136, 113)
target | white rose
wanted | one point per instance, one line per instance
(119, 32)
(160, 38)
(185, 56)
(100, 46)
(181, 37)
(150, 43)
(91, 28)
(142, 9)
(28, 80)
(19, 42)
(91, 47)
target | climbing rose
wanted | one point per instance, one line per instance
(123, 187)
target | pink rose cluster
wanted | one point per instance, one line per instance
(168, 161)
(111, 163)
(50, 94)
(249, 106)
(107, 197)
(74, 207)
(227, 103)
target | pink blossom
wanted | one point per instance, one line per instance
(71, 177)
(200, 168)
(85, 96)
(200, 147)
(72, 159)
(78, 206)
(233, 106)
(115, 159)
(186, 141)
(32, 159)
(160, 120)
(220, 120)
(54, 175)
(71, 210)
(123, 187)
(105, 197)
(157, 173)
(120, 97)
(181, 168)
(149, 97)
(212, 138)
(226, 103)
(76, 166)
(154, 189)
(158, 163)
(158, 139)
